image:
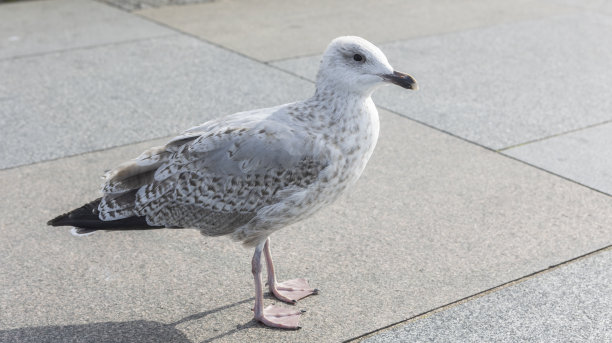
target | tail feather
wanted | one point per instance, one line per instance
(86, 219)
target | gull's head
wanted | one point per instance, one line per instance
(358, 66)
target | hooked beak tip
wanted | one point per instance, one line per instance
(402, 80)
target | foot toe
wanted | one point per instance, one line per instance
(280, 317)
(291, 291)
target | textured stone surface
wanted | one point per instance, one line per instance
(503, 85)
(276, 29)
(131, 5)
(432, 220)
(34, 27)
(584, 156)
(71, 102)
(599, 6)
(569, 304)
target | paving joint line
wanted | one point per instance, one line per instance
(87, 152)
(478, 295)
(85, 47)
(189, 34)
(555, 174)
(217, 45)
(555, 135)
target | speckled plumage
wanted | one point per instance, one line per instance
(252, 173)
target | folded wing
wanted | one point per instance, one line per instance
(214, 177)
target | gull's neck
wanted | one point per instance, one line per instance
(343, 113)
(348, 122)
(326, 88)
(340, 102)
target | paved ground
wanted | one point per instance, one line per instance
(498, 168)
(546, 308)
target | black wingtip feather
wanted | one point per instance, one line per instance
(86, 217)
(85, 213)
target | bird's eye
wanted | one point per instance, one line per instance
(358, 57)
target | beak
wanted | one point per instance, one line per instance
(402, 80)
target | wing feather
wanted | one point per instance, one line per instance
(215, 176)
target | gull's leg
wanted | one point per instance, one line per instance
(273, 316)
(289, 291)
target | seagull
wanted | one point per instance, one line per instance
(252, 173)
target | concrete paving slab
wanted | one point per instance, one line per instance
(433, 219)
(599, 6)
(278, 29)
(35, 27)
(569, 304)
(71, 102)
(584, 156)
(503, 85)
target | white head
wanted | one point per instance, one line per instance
(358, 66)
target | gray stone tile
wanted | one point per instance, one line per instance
(34, 27)
(277, 29)
(433, 219)
(599, 6)
(569, 304)
(503, 85)
(584, 156)
(308, 66)
(71, 102)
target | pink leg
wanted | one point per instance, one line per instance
(289, 291)
(272, 315)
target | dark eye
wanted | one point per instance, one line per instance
(358, 57)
